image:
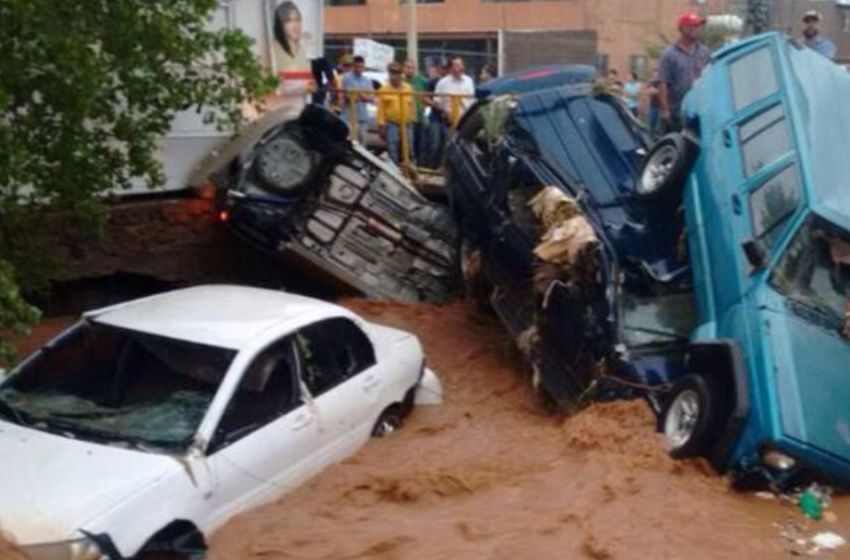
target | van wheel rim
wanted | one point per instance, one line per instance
(658, 168)
(681, 421)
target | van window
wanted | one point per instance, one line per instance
(764, 139)
(773, 203)
(752, 77)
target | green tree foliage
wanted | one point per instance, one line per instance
(87, 87)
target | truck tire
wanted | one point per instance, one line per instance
(693, 416)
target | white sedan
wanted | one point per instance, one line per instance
(147, 425)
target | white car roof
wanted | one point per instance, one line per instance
(223, 316)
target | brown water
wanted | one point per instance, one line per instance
(488, 475)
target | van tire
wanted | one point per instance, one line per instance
(665, 168)
(693, 416)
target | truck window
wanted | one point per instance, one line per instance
(752, 78)
(764, 139)
(773, 203)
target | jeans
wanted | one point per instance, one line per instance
(362, 128)
(435, 136)
(394, 142)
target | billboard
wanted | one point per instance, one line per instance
(295, 35)
(377, 55)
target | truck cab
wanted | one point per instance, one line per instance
(768, 229)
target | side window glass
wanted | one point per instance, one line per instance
(773, 203)
(267, 391)
(764, 139)
(331, 352)
(752, 77)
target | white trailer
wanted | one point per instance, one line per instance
(191, 139)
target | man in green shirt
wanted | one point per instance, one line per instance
(419, 84)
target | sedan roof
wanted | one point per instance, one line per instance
(222, 316)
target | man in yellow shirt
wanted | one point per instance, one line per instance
(396, 112)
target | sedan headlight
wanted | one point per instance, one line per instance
(79, 549)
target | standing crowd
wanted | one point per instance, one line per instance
(658, 101)
(411, 113)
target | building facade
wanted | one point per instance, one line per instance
(615, 34)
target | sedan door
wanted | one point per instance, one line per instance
(267, 442)
(339, 369)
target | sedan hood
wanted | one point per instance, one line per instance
(50, 486)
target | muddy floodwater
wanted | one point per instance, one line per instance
(489, 475)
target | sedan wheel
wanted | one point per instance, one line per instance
(390, 422)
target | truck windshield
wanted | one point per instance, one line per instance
(117, 387)
(814, 273)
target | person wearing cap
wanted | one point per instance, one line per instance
(396, 113)
(679, 67)
(812, 37)
(357, 91)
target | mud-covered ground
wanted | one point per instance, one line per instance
(488, 475)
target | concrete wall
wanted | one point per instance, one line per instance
(623, 27)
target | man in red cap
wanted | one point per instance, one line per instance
(679, 67)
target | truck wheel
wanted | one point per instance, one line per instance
(693, 417)
(666, 167)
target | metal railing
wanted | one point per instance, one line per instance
(425, 97)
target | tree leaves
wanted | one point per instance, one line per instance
(86, 90)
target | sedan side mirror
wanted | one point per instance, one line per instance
(756, 254)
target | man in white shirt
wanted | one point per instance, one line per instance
(456, 83)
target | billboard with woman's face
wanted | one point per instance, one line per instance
(296, 31)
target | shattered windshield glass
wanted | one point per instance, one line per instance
(814, 273)
(117, 386)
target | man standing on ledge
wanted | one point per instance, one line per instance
(812, 37)
(678, 68)
(456, 84)
(396, 115)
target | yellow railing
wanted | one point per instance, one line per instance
(351, 97)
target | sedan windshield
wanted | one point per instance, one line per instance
(117, 386)
(814, 273)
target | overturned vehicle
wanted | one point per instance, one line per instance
(305, 192)
(709, 273)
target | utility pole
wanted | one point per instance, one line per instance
(758, 16)
(412, 32)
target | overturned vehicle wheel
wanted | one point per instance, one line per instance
(666, 167)
(285, 166)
